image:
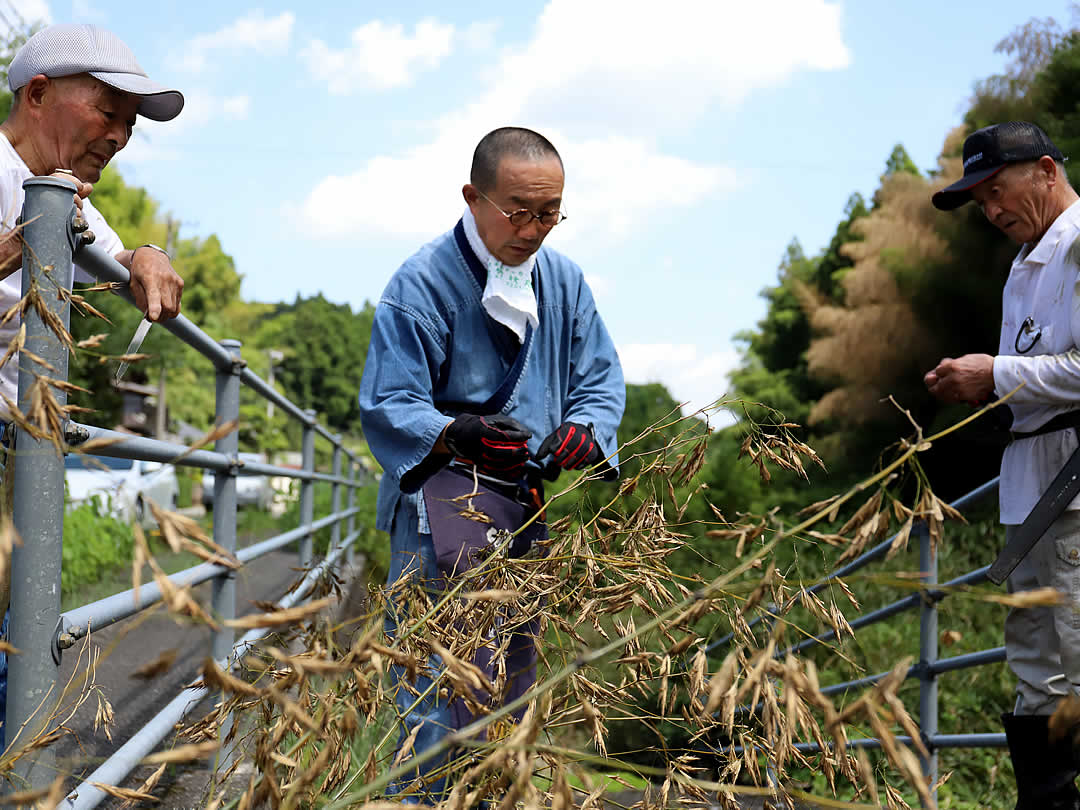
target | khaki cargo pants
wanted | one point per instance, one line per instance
(1042, 644)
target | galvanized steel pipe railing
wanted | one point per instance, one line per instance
(79, 622)
(307, 491)
(51, 247)
(48, 242)
(929, 666)
(114, 770)
(878, 552)
(928, 652)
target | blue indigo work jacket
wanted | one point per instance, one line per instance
(436, 353)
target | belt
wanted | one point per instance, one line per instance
(1063, 421)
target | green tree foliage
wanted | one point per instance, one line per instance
(902, 285)
(1007, 96)
(900, 162)
(647, 406)
(15, 31)
(1054, 91)
(325, 346)
(774, 367)
(212, 286)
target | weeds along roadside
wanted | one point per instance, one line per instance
(623, 629)
(606, 659)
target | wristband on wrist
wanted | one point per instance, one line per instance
(160, 250)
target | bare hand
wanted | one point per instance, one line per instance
(155, 285)
(967, 379)
(82, 190)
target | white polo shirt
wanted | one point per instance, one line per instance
(12, 174)
(1043, 285)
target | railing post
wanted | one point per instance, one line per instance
(335, 495)
(33, 690)
(307, 490)
(928, 653)
(226, 409)
(350, 502)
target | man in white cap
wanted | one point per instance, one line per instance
(77, 91)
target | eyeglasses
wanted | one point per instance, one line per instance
(1031, 334)
(523, 216)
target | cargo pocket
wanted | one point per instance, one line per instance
(1067, 576)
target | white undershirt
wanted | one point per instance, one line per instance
(508, 297)
(13, 171)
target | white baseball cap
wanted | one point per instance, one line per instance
(67, 50)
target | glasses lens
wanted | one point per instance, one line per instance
(521, 217)
(549, 219)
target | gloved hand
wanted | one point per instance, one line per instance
(495, 444)
(572, 445)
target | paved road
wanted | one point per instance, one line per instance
(128, 644)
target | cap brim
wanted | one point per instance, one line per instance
(959, 192)
(158, 103)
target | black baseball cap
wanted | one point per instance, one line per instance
(989, 150)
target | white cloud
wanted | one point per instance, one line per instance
(83, 11)
(692, 374)
(480, 36)
(600, 284)
(644, 66)
(157, 140)
(236, 107)
(598, 172)
(255, 32)
(31, 11)
(380, 56)
(607, 66)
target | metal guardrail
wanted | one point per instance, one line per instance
(37, 627)
(928, 667)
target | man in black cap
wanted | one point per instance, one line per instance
(1016, 175)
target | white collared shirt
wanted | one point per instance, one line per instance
(1044, 285)
(13, 171)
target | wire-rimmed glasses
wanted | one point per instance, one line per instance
(523, 216)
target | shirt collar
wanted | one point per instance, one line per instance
(1043, 251)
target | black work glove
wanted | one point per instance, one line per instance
(495, 444)
(572, 445)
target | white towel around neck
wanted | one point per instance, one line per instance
(508, 296)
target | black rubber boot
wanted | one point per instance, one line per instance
(1045, 771)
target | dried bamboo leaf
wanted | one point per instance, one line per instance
(285, 616)
(183, 753)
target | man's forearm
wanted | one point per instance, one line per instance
(10, 256)
(125, 258)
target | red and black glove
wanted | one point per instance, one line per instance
(572, 445)
(495, 444)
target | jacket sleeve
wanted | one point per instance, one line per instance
(596, 393)
(397, 412)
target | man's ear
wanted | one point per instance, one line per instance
(36, 90)
(1050, 171)
(469, 192)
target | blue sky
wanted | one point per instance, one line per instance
(324, 142)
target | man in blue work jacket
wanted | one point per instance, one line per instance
(486, 346)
